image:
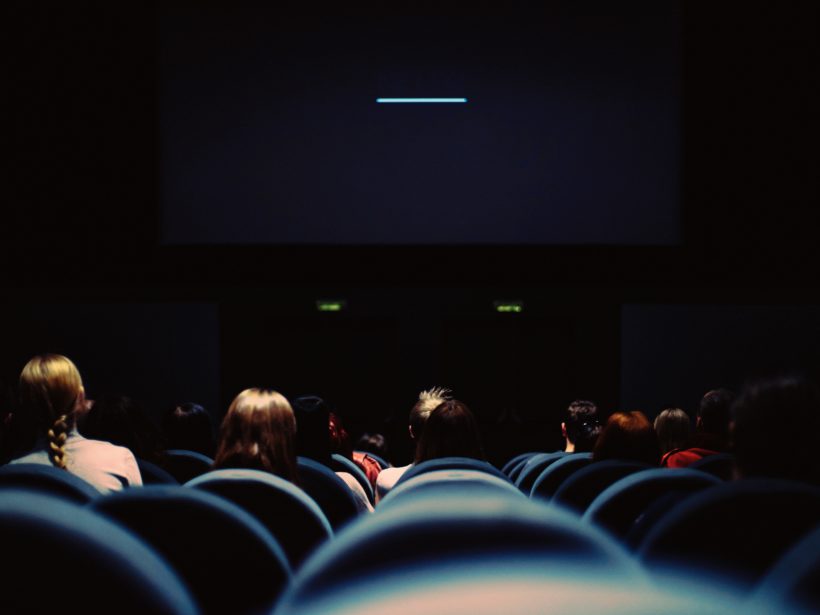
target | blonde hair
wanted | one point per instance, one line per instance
(50, 391)
(428, 401)
(259, 432)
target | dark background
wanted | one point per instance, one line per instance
(83, 271)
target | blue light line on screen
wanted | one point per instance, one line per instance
(411, 101)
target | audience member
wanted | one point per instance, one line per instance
(122, 421)
(711, 431)
(374, 443)
(189, 427)
(581, 427)
(314, 441)
(258, 433)
(52, 396)
(674, 431)
(427, 401)
(777, 429)
(340, 444)
(451, 430)
(628, 436)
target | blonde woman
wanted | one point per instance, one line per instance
(52, 396)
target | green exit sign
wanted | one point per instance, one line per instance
(331, 305)
(508, 307)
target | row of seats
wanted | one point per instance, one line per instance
(243, 541)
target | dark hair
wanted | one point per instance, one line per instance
(258, 432)
(715, 412)
(450, 431)
(312, 434)
(189, 427)
(674, 429)
(628, 436)
(123, 421)
(772, 410)
(582, 425)
(374, 443)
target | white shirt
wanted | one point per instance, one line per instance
(387, 479)
(104, 465)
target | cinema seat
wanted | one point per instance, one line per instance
(440, 529)
(287, 512)
(533, 467)
(737, 530)
(619, 506)
(53, 550)
(721, 465)
(508, 467)
(329, 491)
(795, 578)
(48, 480)
(338, 463)
(228, 560)
(445, 483)
(186, 465)
(450, 463)
(551, 477)
(152, 474)
(579, 490)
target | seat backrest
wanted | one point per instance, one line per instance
(533, 467)
(287, 512)
(551, 477)
(455, 528)
(736, 529)
(450, 463)
(343, 464)
(53, 549)
(795, 578)
(152, 474)
(228, 560)
(329, 491)
(447, 482)
(721, 465)
(47, 479)
(186, 465)
(620, 505)
(579, 490)
(512, 463)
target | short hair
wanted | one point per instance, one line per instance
(776, 427)
(674, 429)
(451, 430)
(372, 443)
(715, 412)
(628, 436)
(258, 432)
(582, 424)
(427, 402)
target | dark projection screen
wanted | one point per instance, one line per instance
(271, 131)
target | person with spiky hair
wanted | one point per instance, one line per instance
(427, 401)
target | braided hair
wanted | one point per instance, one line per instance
(50, 391)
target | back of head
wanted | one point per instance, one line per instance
(628, 436)
(312, 436)
(428, 401)
(776, 430)
(339, 439)
(188, 427)
(674, 429)
(450, 431)
(372, 443)
(714, 417)
(258, 432)
(51, 391)
(582, 425)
